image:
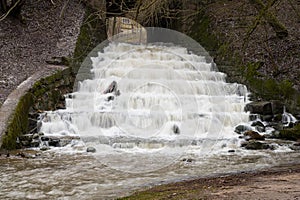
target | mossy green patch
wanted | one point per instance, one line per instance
(267, 88)
(290, 133)
(92, 33)
(172, 192)
(201, 33)
(18, 124)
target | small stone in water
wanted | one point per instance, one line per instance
(176, 129)
(188, 160)
(41, 133)
(44, 148)
(231, 151)
(91, 149)
(35, 136)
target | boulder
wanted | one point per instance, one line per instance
(262, 108)
(242, 128)
(289, 133)
(44, 148)
(277, 107)
(253, 135)
(26, 137)
(55, 142)
(91, 149)
(35, 143)
(176, 129)
(110, 98)
(255, 145)
(259, 126)
(36, 136)
(295, 147)
(111, 88)
(253, 117)
(267, 118)
(260, 129)
(257, 123)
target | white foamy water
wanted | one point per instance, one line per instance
(152, 78)
(170, 101)
(173, 119)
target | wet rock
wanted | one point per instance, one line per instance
(26, 155)
(21, 154)
(58, 61)
(255, 145)
(289, 133)
(111, 88)
(240, 129)
(257, 123)
(276, 126)
(176, 129)
(45, 138)
(110, 98)
(295, 147)
(260, 129)
(262, 108)
(44, 148)
(65, 142)
(268, 136)
(231, 151)
(253, 135)
(55, 142)
(189, 160)
(25, 137)
(35, 143)
(254, 117)
(36, 136)
(277, 107)
(267, 118)
(259, 126)
(25, 143)
(91, 149)
(277, 118)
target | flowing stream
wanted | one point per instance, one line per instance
(154, 114)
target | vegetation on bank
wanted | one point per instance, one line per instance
(267, 76)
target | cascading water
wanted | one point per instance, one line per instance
(154, 113)
(287, 118)
(152, 103)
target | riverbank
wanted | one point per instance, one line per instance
(281, 182)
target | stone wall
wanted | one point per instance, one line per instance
(36, 94)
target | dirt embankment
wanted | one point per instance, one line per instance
(252, 33)
(282, 183)
(49, 30)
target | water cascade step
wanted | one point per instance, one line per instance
(146, 98)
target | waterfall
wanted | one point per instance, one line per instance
(164, 97)
(287, 118)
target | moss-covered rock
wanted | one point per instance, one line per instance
(255, 145)
(18, 124)
(290, 133)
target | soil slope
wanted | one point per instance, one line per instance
(49, 30)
